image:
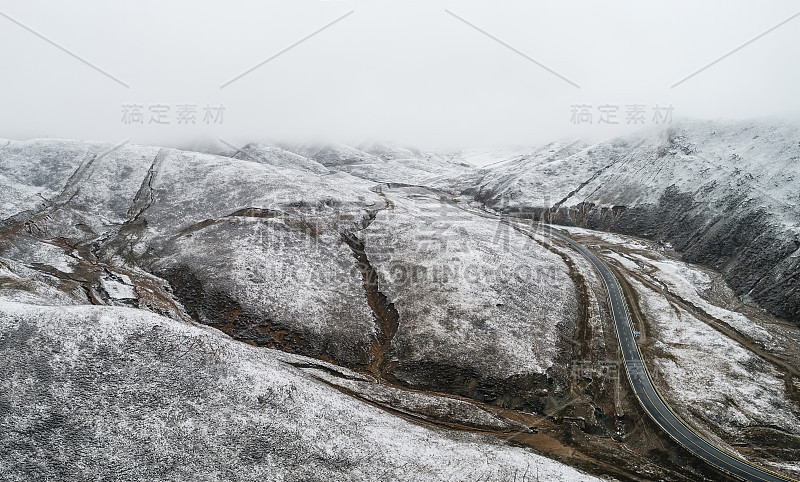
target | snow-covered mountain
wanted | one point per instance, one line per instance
(726, 195)
(363, 311)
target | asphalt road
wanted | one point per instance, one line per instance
(642, 384)
(647, 394)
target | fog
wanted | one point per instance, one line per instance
(434, 74)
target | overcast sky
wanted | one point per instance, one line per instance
(429, 73)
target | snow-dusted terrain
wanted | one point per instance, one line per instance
(730, 386)
(276, 250)
(331, 312)
(90, 393)
(474, 297)
(726, 195)
(255, 245)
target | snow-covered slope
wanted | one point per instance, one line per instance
(724, 194)
(357, 256)
(387, 163)
(95, 393)
(275, 249)
(482, 308)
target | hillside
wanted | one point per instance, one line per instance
(725, 195)
(331, 312)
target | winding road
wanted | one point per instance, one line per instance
(642, 383)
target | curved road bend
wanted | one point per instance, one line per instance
(642, 384)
